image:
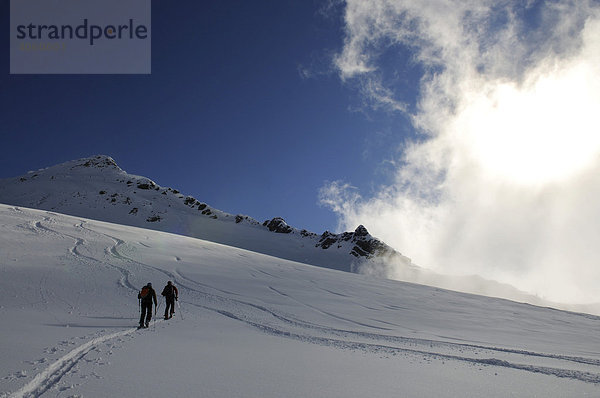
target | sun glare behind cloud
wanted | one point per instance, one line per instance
(545, 130)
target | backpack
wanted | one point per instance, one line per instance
(168, 291)
(145, 292)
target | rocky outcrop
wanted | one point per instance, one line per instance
(278, 225)
(363, 244)
(100, 162)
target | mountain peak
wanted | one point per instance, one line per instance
(361, 231)
(97, 161)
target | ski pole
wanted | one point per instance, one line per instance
(179, 307)
(155, 316)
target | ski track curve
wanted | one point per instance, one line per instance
(79, 242)
(351, 321)
(112, 250)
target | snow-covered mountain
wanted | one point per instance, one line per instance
(251, 325)
(97, 188)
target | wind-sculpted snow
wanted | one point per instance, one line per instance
(257, 325)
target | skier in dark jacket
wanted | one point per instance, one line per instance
(171, 295)
(146, 296)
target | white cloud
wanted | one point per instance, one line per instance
(505, 184)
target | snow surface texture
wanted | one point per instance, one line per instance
(98, 189)
(251, 325)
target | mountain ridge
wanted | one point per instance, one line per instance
(96, 187)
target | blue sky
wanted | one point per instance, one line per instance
(244, 110)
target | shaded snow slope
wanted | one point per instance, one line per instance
(257, 326)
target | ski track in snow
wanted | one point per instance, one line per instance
(564, 366)
(203, 297)
(504, 357)
(79, 242)
(53, 373)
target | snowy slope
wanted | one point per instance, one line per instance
(252, 325)
(97, 188)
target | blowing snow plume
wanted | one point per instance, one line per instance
(502, 181)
